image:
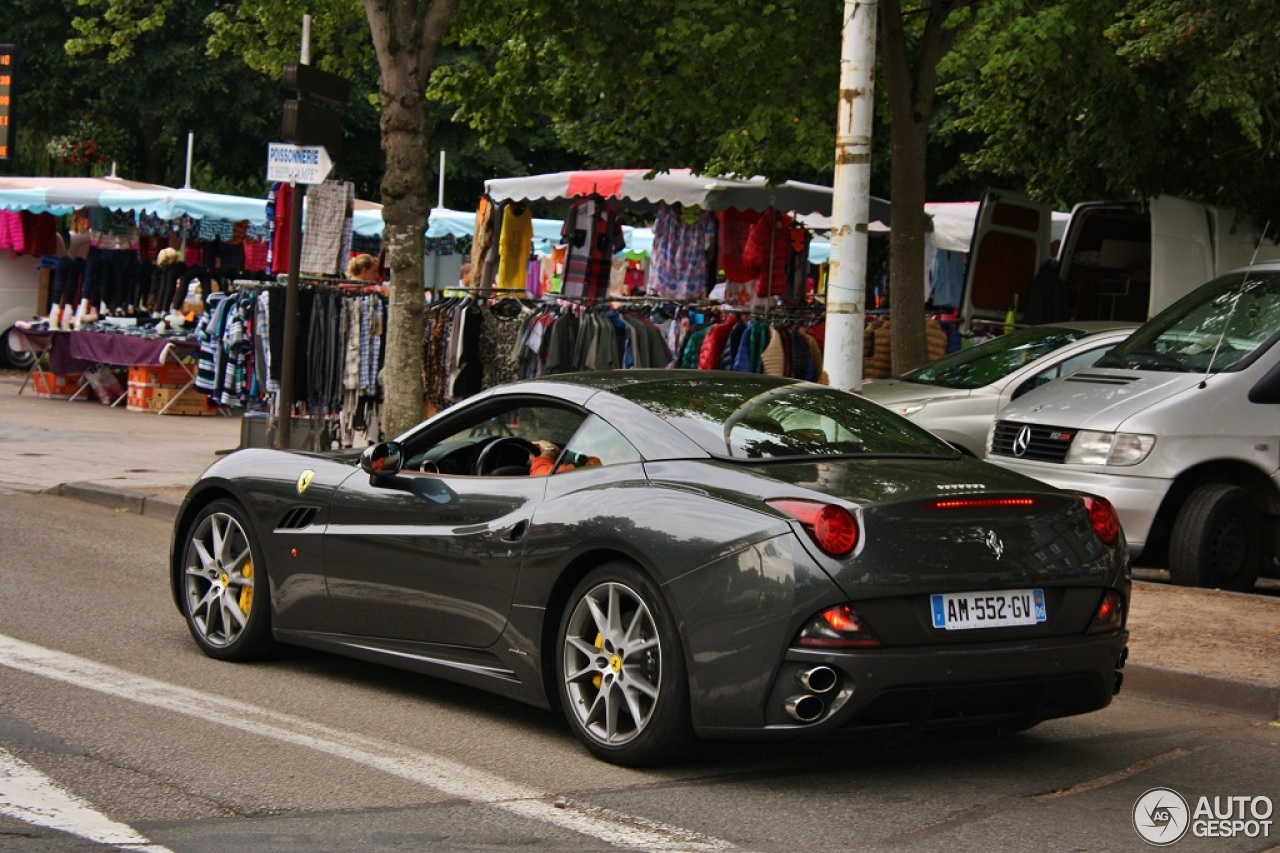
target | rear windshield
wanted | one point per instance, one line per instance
(1218, 327)
(758, 418)
(994, 359)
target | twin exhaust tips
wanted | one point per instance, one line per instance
(809, 707)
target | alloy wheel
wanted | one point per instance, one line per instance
(612, 663)
(219, 579)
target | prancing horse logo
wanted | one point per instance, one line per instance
(994, 543)
(304, 480)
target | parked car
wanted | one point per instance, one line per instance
(731, 555)
(1178, 427)
(957, 396)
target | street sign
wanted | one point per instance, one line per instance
(299, 164)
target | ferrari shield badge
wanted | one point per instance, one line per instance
(304, 480)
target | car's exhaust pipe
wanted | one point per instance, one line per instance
(805, 708)
(818, 679)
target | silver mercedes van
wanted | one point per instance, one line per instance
(1179, 427)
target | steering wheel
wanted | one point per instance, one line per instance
(491, 456)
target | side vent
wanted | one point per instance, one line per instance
(298, 518)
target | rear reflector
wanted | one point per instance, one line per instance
(1110, 614)
(837, 628)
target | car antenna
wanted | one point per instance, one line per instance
(1204, 381)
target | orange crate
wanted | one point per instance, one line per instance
(48, 384)
(163, 375)
(192, 402)
(139, 399)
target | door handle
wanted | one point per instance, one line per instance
(515, 532)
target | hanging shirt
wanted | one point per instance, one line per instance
(946, 276)
(515, 243)
(679, 268)
(593, 235)
(767, 251)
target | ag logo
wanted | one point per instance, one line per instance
(304, 480)
(1161, 816)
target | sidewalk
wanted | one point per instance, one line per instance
(1207, 649)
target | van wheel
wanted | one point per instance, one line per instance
(21, 359)
(1216, 539)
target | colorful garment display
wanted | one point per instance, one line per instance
(593, 234)
(682, 246)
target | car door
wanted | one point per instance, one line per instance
(1010, 240)
(433, 559)
(433, 553)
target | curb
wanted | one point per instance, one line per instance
(1236, 696)
(142, 503)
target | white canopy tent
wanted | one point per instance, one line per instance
(642, 189)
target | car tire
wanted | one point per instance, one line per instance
(621, 671)
(223, 586)
(20, 359)
(1217, 541)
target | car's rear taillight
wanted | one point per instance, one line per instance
(837, 628)
(1109, 615)
(1102, 517)
(831, 526)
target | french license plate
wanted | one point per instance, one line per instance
(957, 611)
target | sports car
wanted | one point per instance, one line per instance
(712, 555)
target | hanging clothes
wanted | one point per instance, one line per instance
(515, 243)
(682, 243)
(767, 252)
(593, 233)
(327, 239)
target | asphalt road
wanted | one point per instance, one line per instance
(113, 726)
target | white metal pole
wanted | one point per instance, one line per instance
(440, 191)
(305, 57)
(851, 198)
(191, 144)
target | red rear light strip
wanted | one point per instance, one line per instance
(978, 503)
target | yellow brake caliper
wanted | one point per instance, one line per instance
(246, 592)
(597, 678)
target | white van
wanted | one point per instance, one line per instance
(1117, 261)
(1179, 427)
(19, 293)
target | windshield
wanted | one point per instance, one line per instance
(1213, 329)
(994, 359)
(752, 417)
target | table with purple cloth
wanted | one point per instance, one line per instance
(76, 352)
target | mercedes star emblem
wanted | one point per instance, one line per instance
(1022, 441)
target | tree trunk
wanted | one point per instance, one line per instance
(405, 36)
(906, 246)
(911, 73)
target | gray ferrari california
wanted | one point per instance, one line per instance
(672, 555)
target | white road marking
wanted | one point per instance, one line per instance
(32, 797)
(442, 774)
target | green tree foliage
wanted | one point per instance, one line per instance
(724, 86)
(1111, 99)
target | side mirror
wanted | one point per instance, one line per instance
(382, 460)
